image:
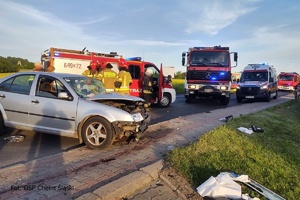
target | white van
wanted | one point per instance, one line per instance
(258, 81)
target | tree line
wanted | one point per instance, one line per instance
(14, 64)
(180, 75)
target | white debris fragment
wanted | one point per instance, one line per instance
(245, 130)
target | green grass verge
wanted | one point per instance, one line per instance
(178, 85)
(272, 158)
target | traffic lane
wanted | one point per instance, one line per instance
(181, 108)
(39, 145)
(35, 145)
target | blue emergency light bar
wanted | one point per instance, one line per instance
(56, 54)
(134, 59)
(213, 48)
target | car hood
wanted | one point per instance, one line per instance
(115, 96)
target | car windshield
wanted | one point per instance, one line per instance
(209, 58)
(85, 87)
(285, 78)
(254, 76)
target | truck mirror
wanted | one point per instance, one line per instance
(183, 58)
(235, 57)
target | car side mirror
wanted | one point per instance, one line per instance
(64, 96)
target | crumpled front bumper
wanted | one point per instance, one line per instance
(144, 126)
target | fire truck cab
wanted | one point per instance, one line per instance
(208, 73)
(288, 81)
(258, 81)
(75, 62)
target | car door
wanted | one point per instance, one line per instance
(15, 99)
(137, 83)
(48, 113)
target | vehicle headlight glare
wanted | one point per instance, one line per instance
(137, 117)
(223, 87)
(192, 86)
(264, 87)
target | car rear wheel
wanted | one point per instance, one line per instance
(2, 126)
(165, 101)
(97, 133)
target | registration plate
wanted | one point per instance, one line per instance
(249, 97)
(208, 90)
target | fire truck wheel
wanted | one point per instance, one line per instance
(2, 126)
(276, 95)
(97, 133)
(189, 99)
(224, 101)
(165, 101)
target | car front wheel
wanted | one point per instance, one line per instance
(165, 101)
(2, 126)
(97, 133)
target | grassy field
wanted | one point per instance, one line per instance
(271, 158)
(178, 85)
(4, 74)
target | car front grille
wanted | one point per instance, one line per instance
(250, 90)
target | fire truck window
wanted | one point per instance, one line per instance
(155, 72)
(135, 71)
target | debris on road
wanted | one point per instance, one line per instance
(245, 130)
(226, 119)
(107, 160)
(224, 186)
(15, 138)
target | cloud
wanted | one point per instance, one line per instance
(156, 43)
(94, 21)
(212, 16)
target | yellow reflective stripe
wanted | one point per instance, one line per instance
(109, 75)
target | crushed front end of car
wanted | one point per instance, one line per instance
(136, 108)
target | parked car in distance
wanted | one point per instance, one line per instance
(69, 105)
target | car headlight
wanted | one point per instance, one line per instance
(137, 117)
(264, 87)
(238, 87)
(223, 87)
(192, 86)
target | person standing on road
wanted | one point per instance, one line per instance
(92, 71)
(147, 87)
(38, 67)
(108, 78)
(124, 79)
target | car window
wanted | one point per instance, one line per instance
(20, 84)
(155, 71)
(49, 87)
(135, 71)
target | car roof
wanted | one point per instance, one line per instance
(60, 75)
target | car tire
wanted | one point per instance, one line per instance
(189, 99)
(268, 98)
(97, 133)
(2, 126)
(224, 101)
(165, 101)
(239, 99)
(276, 95)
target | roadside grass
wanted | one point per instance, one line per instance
(178, 85)
(271, 158)
(4, 74)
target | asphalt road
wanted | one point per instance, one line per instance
(39, 145)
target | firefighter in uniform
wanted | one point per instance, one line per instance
(147, 86)
(38, 67)
(124, 79)
(93, 70)
(108, 78)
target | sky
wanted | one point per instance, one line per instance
(261, 31)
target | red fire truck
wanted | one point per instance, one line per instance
(75, 62)
(288, 80)
(208, 73)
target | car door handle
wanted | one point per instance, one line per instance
(2, 95)
(35, 101)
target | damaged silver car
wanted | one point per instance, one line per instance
(70, 105)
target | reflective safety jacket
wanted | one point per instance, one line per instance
(108, 78)
(125, 79)
(147, 85)
(90, 75)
